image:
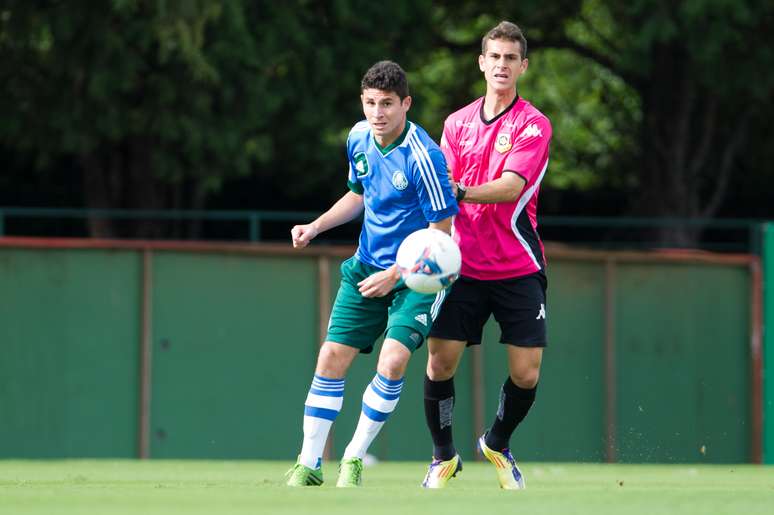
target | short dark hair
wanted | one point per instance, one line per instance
(508, 31)
(386, 76)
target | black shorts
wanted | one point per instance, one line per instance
(518, 305)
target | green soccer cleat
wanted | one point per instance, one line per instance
(440, 472)
(508, 473)
(350, 473)
(301, 475)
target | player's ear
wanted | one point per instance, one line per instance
(481, 63)
(406, 102)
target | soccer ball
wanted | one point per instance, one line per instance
(429, 260)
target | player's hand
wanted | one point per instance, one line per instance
(303, 234)
(451, 181)
(380, 283)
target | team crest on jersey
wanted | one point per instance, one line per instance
(399, 180)
(361, 165)
(503, 142)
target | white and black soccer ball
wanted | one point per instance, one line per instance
(429, 260)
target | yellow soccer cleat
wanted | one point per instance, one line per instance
(508, 473)
(440, 472)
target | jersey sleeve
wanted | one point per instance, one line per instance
(353, 180)
(431, 182)
(449, 148)
(530, 150)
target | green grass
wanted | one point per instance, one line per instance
(256, 487)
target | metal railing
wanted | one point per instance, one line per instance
(742, 235)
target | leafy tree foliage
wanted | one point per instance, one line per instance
(163, 103)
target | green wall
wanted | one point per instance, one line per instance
(69, 357)
(768, 343)
(234, 339)
(683, 347)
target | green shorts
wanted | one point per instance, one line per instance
(359, 321)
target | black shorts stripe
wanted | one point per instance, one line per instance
(531, 236)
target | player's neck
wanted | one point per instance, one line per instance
(387, 142)
(495, 102)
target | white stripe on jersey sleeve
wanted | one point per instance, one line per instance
(437, 202)
(519, 208)
(433, 173)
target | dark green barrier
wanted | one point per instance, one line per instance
(68, 353)
(768, 343)
(233, 339)
(233, 343)
(683, 361)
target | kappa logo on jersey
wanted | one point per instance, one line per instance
(541, 313)
(503, 142)
(532, 130)
(422, 319)
(399, 180)
(361, 164)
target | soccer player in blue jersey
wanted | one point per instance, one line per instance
(397, 178)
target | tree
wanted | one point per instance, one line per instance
(159, 102)
(697, 68)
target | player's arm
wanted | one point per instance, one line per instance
(444, 225)
(346, 209)
(505, 188)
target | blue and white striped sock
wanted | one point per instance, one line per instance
(379, 400)
(323, 404)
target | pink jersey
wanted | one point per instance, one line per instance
(498, 241)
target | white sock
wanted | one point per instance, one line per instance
(323, 404)
(379, 400)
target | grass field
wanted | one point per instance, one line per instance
(256, 487)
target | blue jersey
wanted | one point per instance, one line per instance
(405, 186)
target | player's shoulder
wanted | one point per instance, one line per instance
(421, 151)
(360, 130)
(532, 114)
(358, 134)
(464, 115)
(420, 135)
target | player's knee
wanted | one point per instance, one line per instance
(392, 366)
(440, 369)
(526, 378)
(331, 362)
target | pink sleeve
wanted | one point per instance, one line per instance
(530, 149)
(449, 148)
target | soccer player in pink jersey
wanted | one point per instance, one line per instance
(496, 149)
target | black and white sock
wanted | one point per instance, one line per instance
(439, 406)
(514, 404)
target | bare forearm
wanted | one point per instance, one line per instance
(346, 209)
(442, 225)
(504, 189)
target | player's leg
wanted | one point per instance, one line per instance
(355, 323)
(379, 401)
(324, 400)
(517, 394)
(407, 327)
(460, 320)
(442, 361)
(519, 308)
